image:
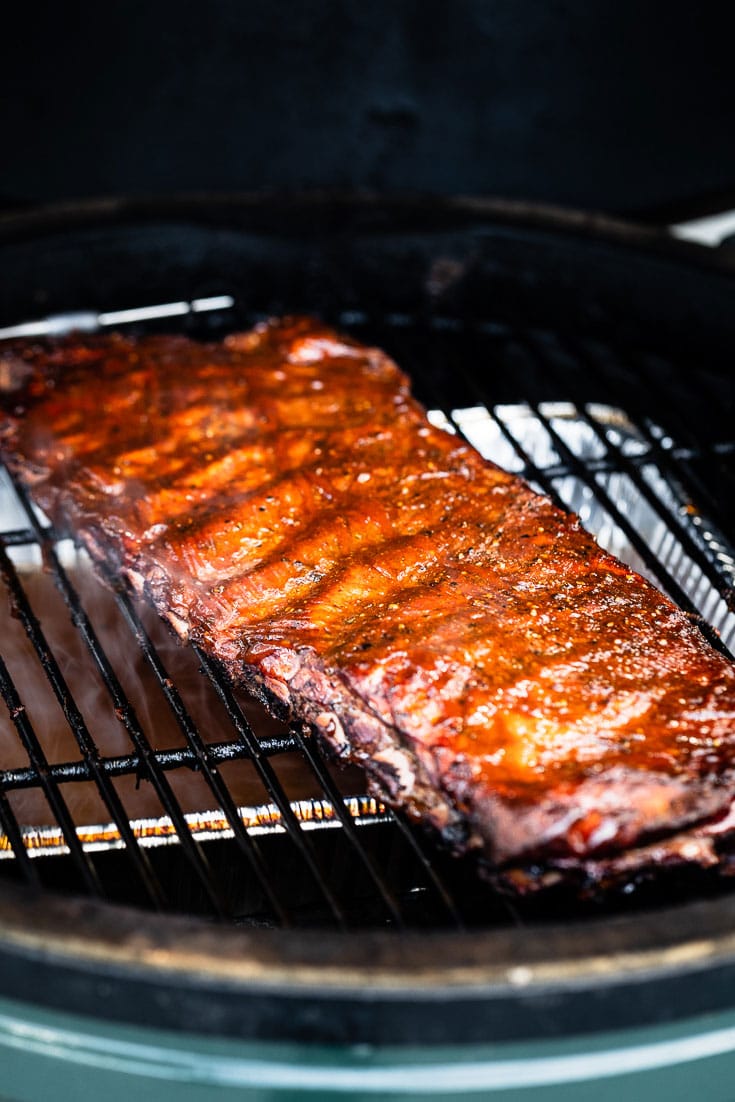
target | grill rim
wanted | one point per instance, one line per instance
(28, 945)
(335, 209)
(381, 988)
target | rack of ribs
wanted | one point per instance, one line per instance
(283, 501)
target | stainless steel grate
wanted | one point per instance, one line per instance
(264, 831)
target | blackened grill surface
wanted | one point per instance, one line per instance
(311, 350)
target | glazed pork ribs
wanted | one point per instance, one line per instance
(282, 500)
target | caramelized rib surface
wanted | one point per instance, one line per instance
(283, 500)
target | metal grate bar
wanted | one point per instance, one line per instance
(674, 461)
(158, 830)
(11, 829)
(531, 470)
(666, 580)
(126, 764)
(203, 760)
(440, 889)
(88, 321)
(413, 349)
(332, 793)
(653, 564)
(78, 727)
(573, 465)
(418, 346)
(623, 462)
(693, 549)
(480, 394)
(657, 398)
(57, 803)
(272, 784)
(19, 537)
(710, 558)
(126, 714)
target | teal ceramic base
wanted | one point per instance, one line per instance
(52, 1056)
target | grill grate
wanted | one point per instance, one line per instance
(559, 410)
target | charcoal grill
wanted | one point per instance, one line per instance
(264, 905)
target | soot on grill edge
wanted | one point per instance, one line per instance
(118, 742)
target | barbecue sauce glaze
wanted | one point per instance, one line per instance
(282, 500)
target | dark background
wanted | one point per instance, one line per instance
(624, 107)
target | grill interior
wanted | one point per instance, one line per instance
(130, 771)
(165, 789)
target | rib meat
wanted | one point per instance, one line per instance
(283, 501)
